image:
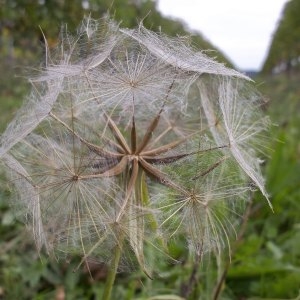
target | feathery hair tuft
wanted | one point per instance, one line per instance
(130, 138)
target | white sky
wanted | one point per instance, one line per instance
(241, 29)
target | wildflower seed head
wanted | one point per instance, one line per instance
(130, 138)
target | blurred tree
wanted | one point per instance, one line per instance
(284, 53)
(22, 23)
(20, 20)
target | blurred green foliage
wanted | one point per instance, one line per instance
(22, 20)
(284, 53)
(266, 262)
(23, 24)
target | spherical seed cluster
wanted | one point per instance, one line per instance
(131, 138)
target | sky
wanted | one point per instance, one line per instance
(241, 29)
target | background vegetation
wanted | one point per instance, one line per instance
(266, 259)
(284, 51)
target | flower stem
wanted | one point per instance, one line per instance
(112, 272)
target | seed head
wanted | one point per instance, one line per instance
(130, 138)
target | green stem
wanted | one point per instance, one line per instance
(112, 272)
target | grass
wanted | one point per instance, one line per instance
(266, 264)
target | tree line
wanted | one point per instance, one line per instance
(23, 21)
(284, 52)
(23, 24)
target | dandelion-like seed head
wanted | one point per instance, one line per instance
(130, 138)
